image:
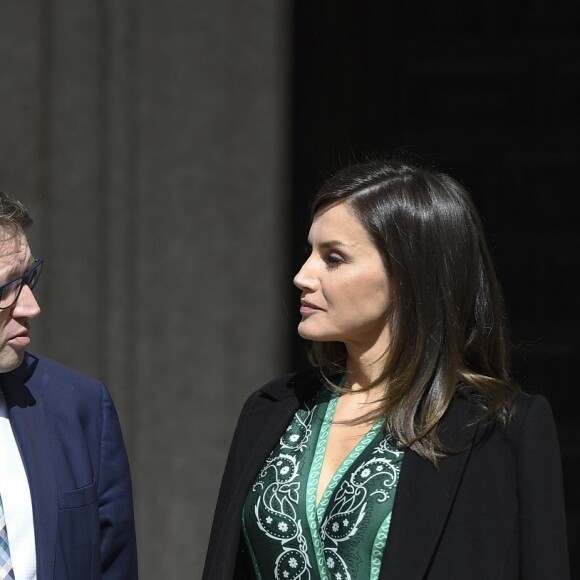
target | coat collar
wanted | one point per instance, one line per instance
(26, 409)
(269, 421)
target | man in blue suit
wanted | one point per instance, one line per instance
(66, 509)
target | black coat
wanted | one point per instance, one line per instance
(493, 510)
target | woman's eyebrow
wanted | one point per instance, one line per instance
(333, 243)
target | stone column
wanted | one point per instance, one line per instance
(149, 140)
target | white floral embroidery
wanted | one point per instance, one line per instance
(277, 503)
(352, 496)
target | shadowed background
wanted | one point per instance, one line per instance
(168, 149)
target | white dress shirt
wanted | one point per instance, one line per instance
(16, 500)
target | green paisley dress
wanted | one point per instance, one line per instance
(289, 536)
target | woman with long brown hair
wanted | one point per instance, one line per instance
(407, 452)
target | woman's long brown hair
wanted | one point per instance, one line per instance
(447, 323)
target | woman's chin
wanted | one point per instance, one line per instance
(305, 332)
(313, 334)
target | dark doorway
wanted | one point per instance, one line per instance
(489, 92)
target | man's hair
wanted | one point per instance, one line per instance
(13, 214)
(448, 330)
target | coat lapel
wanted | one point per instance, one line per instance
(27, 418)
(424, 498)
(261, 424)
(266, 424)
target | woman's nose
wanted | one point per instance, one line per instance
(304, 279)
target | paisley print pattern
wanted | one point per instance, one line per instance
(288, 536)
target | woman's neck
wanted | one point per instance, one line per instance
(365, 362)
(358, 402)
(362, 371)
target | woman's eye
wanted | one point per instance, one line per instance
(334, 260)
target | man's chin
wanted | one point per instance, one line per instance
(12, 361)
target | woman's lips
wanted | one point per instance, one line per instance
(307, 307)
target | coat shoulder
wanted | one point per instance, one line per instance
(280, 387)
(299, 385)
(38, 371)
(44, 365)
(529, 410)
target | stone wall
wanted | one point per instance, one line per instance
(149, 140)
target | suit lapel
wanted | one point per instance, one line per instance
(27, 417)
(424, 498)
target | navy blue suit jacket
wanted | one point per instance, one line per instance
(492, 510)
(70, 440)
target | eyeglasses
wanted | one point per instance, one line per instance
(10, 291)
